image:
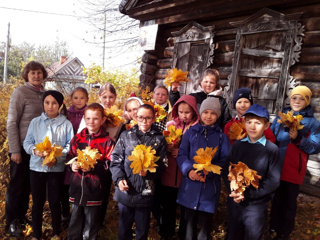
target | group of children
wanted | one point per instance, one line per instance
(205, 121)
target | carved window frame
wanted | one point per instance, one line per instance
(264, 21)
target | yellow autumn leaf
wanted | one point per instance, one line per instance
(143, 158)
(290, 121)
(114, 116)
(203, 160)
(175, 76)
(237, 131)
(86, 158)
(131, 124)
(51, 152)
(172, 135)
(146, 95)
(27, 230)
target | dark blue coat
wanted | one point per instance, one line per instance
(194, 194)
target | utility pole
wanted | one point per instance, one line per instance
(104, 40)
(5, 72)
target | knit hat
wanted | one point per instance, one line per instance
(303, 91)
(57, 96)
(258, 110)
(211, 103)
(242, 93)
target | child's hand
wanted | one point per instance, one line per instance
(142, 173)
(175, 86)
(194, 176)
(293, 134)
(123, 185)
(174, 152)
(75, 166)
(39, 154)
(237, 197)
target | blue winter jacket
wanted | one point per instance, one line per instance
(307, 142)
(60, 132)
(194, 194)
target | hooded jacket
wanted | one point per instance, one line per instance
(141, 189)
(295, 152)
(172, 175)
(88, 188)
(197, 195)
(75, 116)
(60, 132)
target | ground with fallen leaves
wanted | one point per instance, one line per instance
(307, 221)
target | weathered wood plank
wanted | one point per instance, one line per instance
(168, 52)
(148, 69)
(311, 24)
(262, 53)
(164, 63)
(260, 73)
(224, 46)
(148, 58)
(146, 78)
(310, 189)
(160, 74)
(307, 72)
(310, 55)
(224, 58)
(224, 71)
(311, 39)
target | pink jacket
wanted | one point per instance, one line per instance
(172, 175)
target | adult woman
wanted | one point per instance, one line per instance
(25, 104)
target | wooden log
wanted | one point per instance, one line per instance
(160, 74)
(311, 39)
(164, 63)
(311, 180)
(262, 53)
(224, 46)
(315, 157)
(310, 189)
(224, 72)
(307, 72)
(171, 41)
(168, 52)
(148, 69)
(310, 55)
(159, 82)
(148, 58)
(311, 24)
(224, 58)
(146, 78)
(260, 73)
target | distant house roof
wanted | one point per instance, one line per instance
(66, 69)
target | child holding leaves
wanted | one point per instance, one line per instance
(135, 182)
(247, 210)
(185, 115)
(88, 184)
(295, 144)
(199, 192)
(48, 177)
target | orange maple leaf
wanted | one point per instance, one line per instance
(86, 158)
(172, 135)
(175, 76)
(237, 131)
(290, 121)
(50, 151)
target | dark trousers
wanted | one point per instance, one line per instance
(284, 208)
(84, 222)
(106, 196)
(65, 205)
(194, 219)
(243, 223)
(169, 208)
(39, 183)
(141, 217)
(18, 189)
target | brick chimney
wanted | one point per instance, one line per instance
(62, 59)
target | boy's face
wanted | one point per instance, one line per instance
(297, 103)
(255, 126)
(160, 96)
(208, 83)
(242, 105)
(145, 119)
(208, 117)
(93, 120)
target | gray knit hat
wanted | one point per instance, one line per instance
(211, 103)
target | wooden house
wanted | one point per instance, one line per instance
(65, 75)
(269, 46)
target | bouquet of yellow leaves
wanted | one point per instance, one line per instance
(172, 135)
(50, 152)
(114, 116)
(290, 121)
(131, 124)
(237, 131)
(143, 158)
(175, 76)
(241, 176)
(160, 112)
(203, 160)
(146, 95)
(86, 158)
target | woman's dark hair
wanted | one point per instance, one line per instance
(213, 72)
(81, 89)
(148, 107)
(95, 107)
(109, 87)
(33, 65)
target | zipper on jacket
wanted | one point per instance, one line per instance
(81, 189)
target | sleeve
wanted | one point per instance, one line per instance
(311, 144)
(66, 148)
(183, 161)
(109, 147)
(16, 107)
(225, 114)
(225, 168)
(269, 135)
(173, 97)
(271, 182)
(82, 125)
(117, 161)
(29, 141)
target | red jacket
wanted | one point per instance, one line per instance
(87, 188)
(267, 133)
(172, 175)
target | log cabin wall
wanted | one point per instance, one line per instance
(306, 71)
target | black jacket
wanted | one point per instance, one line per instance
(141, 189)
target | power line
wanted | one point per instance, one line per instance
(34, 11)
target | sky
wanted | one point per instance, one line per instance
(34, 24)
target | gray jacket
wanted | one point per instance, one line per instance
(25, 104)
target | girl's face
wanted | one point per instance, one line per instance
(145, 119)
(160, 96)
(242, 105)
(79, 99)
(51, 106)
(107, 99)
(93, 120)
(208, 117)
(297, 103)
(185, 112)
(208, 83)
(132, 108)
(35, 77)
